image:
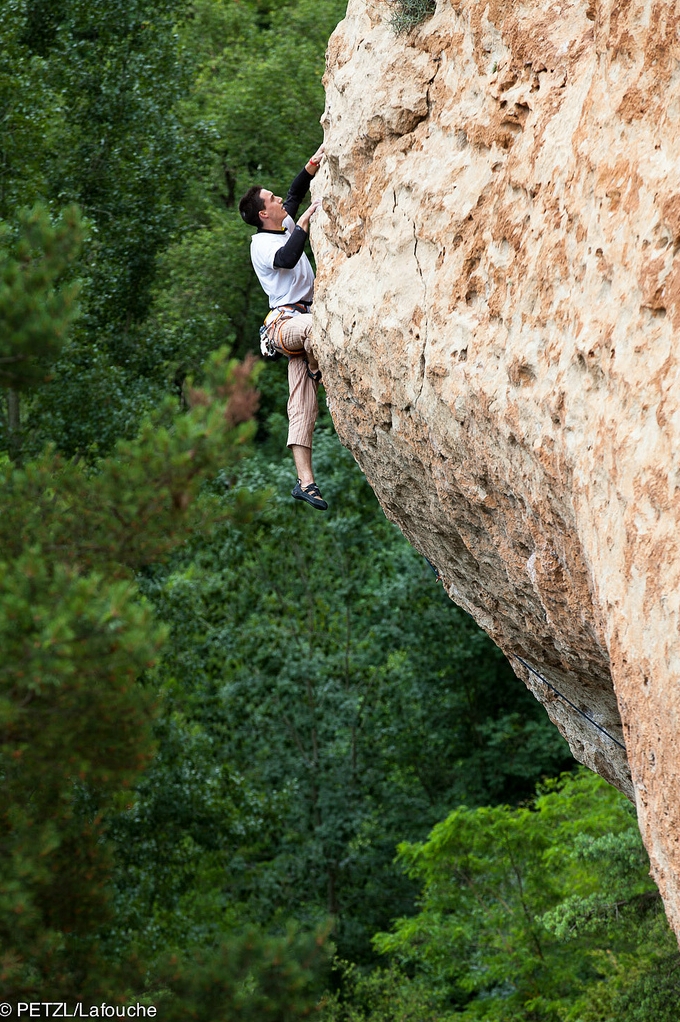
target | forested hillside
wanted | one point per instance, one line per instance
(256, 765)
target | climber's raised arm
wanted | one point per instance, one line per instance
(300, 185)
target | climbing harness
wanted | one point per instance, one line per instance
(271, 345)
(573, 705)
(552, 688)
(267, 346)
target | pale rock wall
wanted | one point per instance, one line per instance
(497, 309)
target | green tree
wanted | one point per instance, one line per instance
(35, 312)
(543, 913)
(75, 722)
(36, 304)
(30, 114)
(103, 129)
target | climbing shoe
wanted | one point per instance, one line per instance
(314, 376)
(311, 494)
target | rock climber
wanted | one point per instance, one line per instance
(277, 252)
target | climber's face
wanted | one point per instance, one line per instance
(273, 214)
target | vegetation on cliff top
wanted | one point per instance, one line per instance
(406, 14)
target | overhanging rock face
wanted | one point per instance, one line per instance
(498, 315)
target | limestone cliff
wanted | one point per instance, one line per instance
(497, 307)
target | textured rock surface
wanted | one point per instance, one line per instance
(497, 307)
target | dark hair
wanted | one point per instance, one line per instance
(250, 205)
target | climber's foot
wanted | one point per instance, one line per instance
(316, 376)
(310, 493)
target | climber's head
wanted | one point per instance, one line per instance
(262, 209)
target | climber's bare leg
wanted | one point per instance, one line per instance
(303, 463)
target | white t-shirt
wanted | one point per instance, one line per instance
(282, 287)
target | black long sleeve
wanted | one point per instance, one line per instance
(289, 254)
(297, 192)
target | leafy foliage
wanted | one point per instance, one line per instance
(75, 723)
(543, 913)
(31, 119)
(35, 311)
(94, 108)
(250, 979)
(381, 995)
